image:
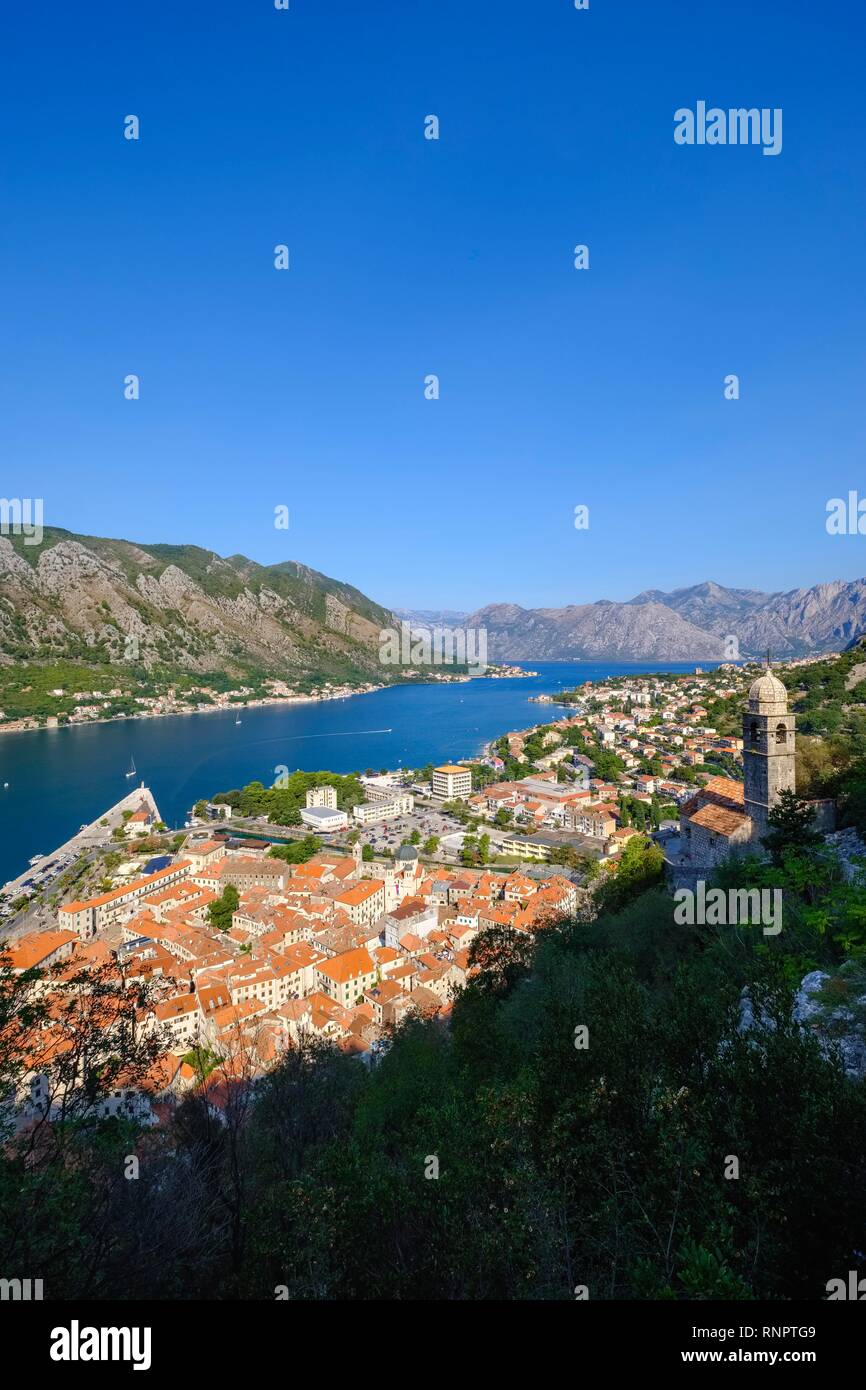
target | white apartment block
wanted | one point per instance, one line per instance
(451, 782)
(322, 796)
(400, 804)
(379, 788)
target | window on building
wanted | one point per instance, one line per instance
(781, 733)
(753, 731)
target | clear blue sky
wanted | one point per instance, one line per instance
(410, 257)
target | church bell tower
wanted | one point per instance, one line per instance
(768, 749)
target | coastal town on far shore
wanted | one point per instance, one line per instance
(253, 937)
(68, 707)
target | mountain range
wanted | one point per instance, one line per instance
(689, 623)
(188, 610)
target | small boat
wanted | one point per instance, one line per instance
(238, 720)
(6, 784)
(36, 859)
(131, 772)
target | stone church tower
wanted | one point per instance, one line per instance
(768, 749)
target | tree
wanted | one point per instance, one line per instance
(607, 765)
(220, 912)
(684, 774)
(367, 854)
(297, 851)
(503, 957)
(792, 826)
(431, 844)
(569, 856)
(469, 851)
(641, 867)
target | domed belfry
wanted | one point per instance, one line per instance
(768, 749)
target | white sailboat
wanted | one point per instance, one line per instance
(131, 772)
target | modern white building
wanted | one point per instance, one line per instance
(324, 819)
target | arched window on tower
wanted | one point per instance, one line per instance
(753, 731)
(781, 733)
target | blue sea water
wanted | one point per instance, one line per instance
(59, 778)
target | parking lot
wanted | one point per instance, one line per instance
(427, 820)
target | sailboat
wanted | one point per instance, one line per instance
(238, 719)
(131, 772)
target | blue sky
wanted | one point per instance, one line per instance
(304, 388)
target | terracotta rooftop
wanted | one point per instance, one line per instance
(720, 819)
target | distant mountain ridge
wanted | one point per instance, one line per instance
(431, 617)
(688, 623)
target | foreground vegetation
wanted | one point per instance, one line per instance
(503, 1153)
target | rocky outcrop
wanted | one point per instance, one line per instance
(850, 850)
(84, 598)
(833, 1007)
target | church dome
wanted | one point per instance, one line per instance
(767, 695)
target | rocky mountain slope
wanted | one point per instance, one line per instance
(824, 618)
(592, 632)
(85, 598)
(689, 623)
